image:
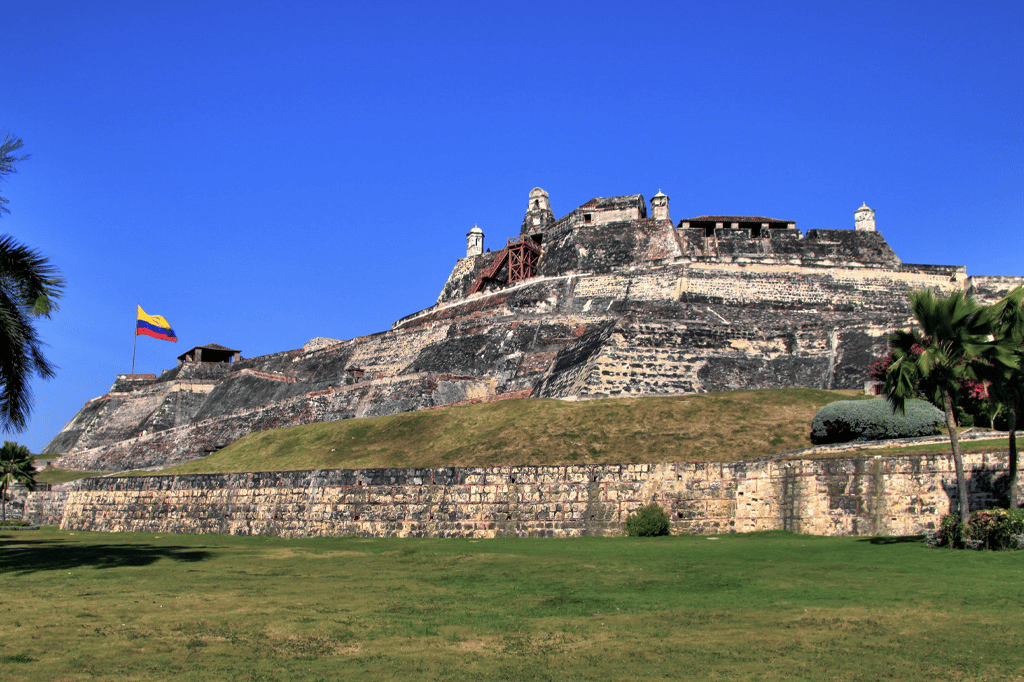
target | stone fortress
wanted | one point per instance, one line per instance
(609, 300)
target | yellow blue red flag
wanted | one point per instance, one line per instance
(153, 325)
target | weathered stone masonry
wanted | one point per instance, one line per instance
(841, 496)
(621, 302)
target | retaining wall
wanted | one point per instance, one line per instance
(834, 496)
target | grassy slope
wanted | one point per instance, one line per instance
(716, 427)
(757, 607)
(52, 475)
(713, 427)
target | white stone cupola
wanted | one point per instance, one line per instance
(474, 242)
(538, 213)
(864, 219)
(659, 206)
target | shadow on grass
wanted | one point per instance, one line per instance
(29, 556)
(893, 539)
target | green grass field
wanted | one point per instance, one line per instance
(769, 606)
(713, 427)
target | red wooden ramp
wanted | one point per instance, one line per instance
(522, 255)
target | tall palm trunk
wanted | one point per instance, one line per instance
(958, 457)
(1012, 425)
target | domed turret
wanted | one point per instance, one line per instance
(864, 218)
(474, 242)
(538, 213)
(659, 206)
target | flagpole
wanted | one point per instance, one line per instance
(135, 340)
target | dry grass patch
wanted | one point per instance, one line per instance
(711, 427)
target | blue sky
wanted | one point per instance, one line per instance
(261, 173)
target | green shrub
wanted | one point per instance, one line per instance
(987, 529)
(647, 521)
(951, 531)
(995, 528)
(848, 420)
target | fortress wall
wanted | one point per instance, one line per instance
(122, 416)
(461, 278)
(365, 399)
(866, 288)
(91, 413)
(657, 240)
(43, 506)
(387, 353)
(989, 289)
(659, 285)
(842, 496)
(659, 359)
(632, 363)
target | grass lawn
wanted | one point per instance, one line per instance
(51, 475)
(773, 606)
(709, 427)
(729, 426)
(942, 448)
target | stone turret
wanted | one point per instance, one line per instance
(864, 219)
(538, 213)
(474, 242)
(659, 206)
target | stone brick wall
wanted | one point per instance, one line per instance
(839, 496)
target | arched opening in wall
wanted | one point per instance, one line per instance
(588, 218)
(355, 517)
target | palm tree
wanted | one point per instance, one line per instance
(1008, 389)
(8, 145)
(954, 344)
(15, 467)
(29, 287)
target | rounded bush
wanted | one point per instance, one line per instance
(647, 522)
(847, 420)
(987, 529)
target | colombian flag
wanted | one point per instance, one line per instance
(153, 325)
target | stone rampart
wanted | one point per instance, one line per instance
(835, 496)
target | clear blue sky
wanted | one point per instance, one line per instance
(261, 173)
